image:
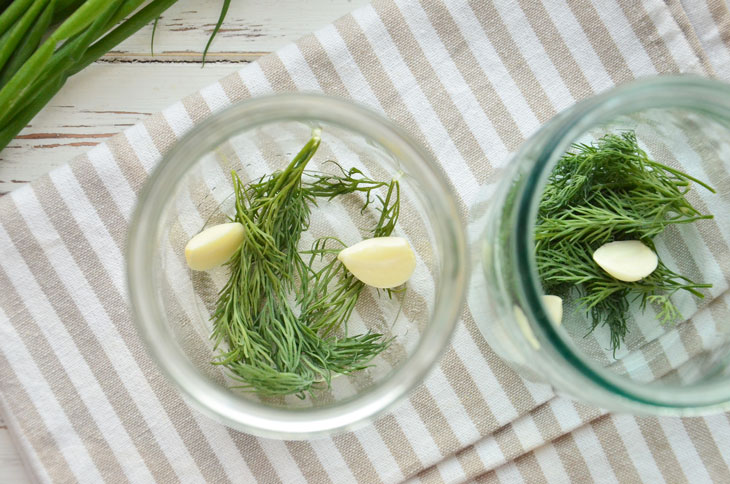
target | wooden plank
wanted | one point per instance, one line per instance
(99, 102)
(252, 28)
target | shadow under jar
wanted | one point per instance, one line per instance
(191, 189)
(677, 368)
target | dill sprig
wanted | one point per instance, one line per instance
(282, 317)
(606, 191)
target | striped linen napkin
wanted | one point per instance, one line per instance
(471, 81)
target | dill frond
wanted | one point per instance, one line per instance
(275, 344)
(606, 191)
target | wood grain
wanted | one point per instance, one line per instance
(129, 84)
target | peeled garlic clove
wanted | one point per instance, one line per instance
(381, 262)
(554, 307)
(524, 326)
(626, 260)
(213, 246)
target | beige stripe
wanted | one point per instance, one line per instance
(470, 461)
(648, 35)
(510, 382)
(321, 66)
(572, 459)
(431, 476)
(680, 16)
(556, 49)
(659, 447)
(257, 461)
(719, 11)
(601, 40)
(434, 91)
(379, 82)
(356, 458)
(29, 420)
(308, 461)
(128, 163)
(234, 88)
(196, 107)
(44, 357)
(466, 389)
(162, 135)
(428, 410)
(112, 303)
(615, 450)
(398, 444)
(96, 192)
(530, 469)
(509, 53)
(478, 81)
(488, 478)
(277, 74)
(707, 449)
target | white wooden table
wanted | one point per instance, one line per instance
(129, 84)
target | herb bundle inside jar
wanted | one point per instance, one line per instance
(280, 322)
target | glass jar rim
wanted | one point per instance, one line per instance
(218, 402)
(676, 91)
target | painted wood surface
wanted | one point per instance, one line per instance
(129, 84)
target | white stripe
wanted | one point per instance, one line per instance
(143, 146)
(418, 105)
(673, 37)
(255, 80)
(481, 372)
(27, 452)
(178, 119)
(448, 402)
(531, 48)
(451, 470)
(281, 459)
(106, 334)
(509, 473)
(417, 434)
(551, 464)
(114, 181)
(379, 454)
(489, 452)
(298, 69)
(215, 97)
(229, 456)
(480, 125)
(596, 460)
(623, 35)
(526, 431)
(49, 409)
(719, 428)
(347, 69)
(717, 52)
(89, 222)
(637, 448)
(333, 463)
(580, 47)
(684, 449)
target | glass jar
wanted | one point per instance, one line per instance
(191, 189)
(682, 368)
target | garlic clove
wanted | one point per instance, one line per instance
(626, 260)
(213, 246)
(524, 326)
(381, 262)
(554, 308)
